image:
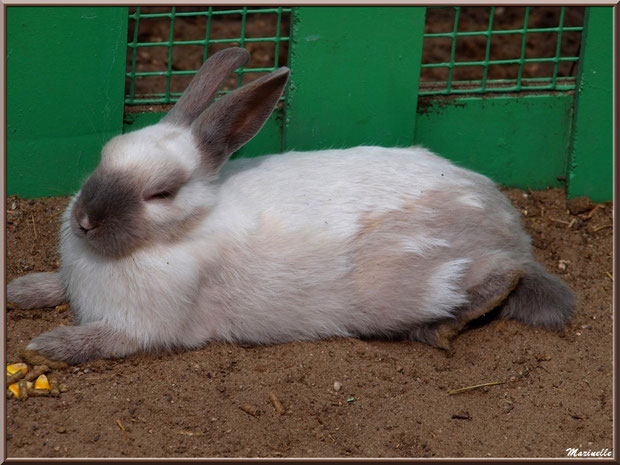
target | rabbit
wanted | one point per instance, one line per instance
(168, 246)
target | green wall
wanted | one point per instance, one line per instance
(66, 77)
(591, 151)
(356, 84)
(65, 89)
(516, 141)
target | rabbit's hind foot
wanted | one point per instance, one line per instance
(483, 298)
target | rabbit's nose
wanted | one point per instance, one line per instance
(85, 223)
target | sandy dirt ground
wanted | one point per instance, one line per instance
(395, 398)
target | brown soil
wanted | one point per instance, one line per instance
(394, 400)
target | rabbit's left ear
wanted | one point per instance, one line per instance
(201, 90)
(234, 119)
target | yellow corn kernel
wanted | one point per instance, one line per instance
(42, 383)
(14, 388)
(15, 367)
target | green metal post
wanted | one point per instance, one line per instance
(354, 76)
(65, 92)
(591, 156)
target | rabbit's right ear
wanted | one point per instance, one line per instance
(201, 90)
(237, 117)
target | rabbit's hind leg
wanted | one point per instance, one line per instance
(482, 298)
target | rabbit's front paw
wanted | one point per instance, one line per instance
(77, 344)
(36, 290)
(63, 343)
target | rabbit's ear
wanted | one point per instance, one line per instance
(201, 90)
(235, 118)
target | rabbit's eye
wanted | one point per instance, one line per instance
(163, 195)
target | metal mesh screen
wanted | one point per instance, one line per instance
(500, 49)
(166, 45)
(469, 50)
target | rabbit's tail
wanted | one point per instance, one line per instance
(540, 299)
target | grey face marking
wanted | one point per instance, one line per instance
(166, 187)
(108, 212)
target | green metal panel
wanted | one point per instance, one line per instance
(354, 76)
(591, 163)
(518, 141)
(350, 85)
(267, 141)
(65, 87)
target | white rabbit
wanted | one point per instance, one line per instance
(162, 249)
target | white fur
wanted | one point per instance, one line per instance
(331, 189)
(147, 294)
(158, 144)
(273, 259)
(423, 245)
(446, 291)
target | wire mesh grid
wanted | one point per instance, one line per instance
(167, 45)
(500, 49)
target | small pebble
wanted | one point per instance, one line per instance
(461, 416)
(251, 410)
(61, 430)
(337, 386)
(579, 205)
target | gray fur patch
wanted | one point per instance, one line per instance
(36, 290)
(201, 90)
(541, 299)
(77, 344)
(237, 117)
(112, 201)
